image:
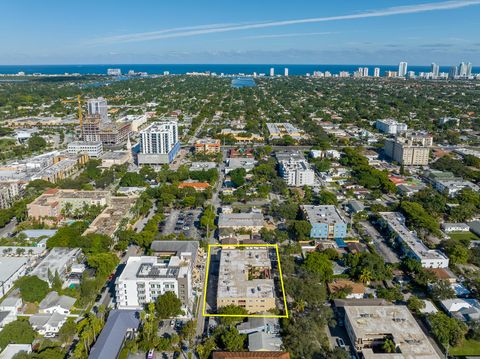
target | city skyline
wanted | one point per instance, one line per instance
(191, 33)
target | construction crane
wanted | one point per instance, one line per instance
(79, 101)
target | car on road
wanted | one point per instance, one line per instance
(186, 228)
(172, 322)
(340, 343)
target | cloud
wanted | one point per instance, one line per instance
(294, 34)
(219, 28)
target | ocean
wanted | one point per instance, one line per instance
(227, 69)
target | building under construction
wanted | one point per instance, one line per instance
(97, 127)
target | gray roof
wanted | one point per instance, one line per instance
(52, 299)
(261, 341)
(39, 320)
(37, 233)
(176, 247)
(10, 265)
(3, 315)
(475, 227)
(110, 340)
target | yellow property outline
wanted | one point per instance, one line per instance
(248, 315)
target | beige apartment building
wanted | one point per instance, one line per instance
(411, 150)
(48, 207)
(246, 280)
(207, 146)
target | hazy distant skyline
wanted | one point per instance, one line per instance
(227, 31)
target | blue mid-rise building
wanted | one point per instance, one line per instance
(326, 221)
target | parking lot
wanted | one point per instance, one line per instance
(182, 221)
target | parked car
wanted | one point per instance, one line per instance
(151, 354)
(340, 343)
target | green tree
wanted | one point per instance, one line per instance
(32, 288)
(415, 304)
(232, 340)
(319, 264)
(238, 177)
(168, 305)
(36, 143)
(239, 313)
(104, 263)
(389, 346)
(447, 330)
(300, 229)
(17, 332)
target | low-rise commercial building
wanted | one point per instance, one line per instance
(370, 326)
(59, 260)
(11, 269)
(409, 150)
(145, 278)
(326, 221)
(246, 163)
(202, 166)
(253, 222)
(280, 130)
(110, 159)
(207, 146)
(245, 279)
(92, 149)
(411, 244)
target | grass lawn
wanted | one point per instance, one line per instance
(464, 235)
(468, 347)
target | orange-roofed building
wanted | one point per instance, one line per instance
(197, 186)
(357, 289)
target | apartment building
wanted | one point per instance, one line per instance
(145, 278)
(253, 222)
(326, 221)
(207, 146)
(447, 183)
(390, 126)
(49, 205)
(295, 169)
(92, 149)
(246, 280)
(368, 326)
(159, 143)
(409, 150)
(412, 245)
(9, 192)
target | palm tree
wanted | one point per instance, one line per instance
(389, 346)
(365, 276)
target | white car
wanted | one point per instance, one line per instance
(340, 343)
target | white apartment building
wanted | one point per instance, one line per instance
(412, 245)
(390, 126)
(159, 143)
(92, 149)
(402, 69)
(295, 169)
(145, 278)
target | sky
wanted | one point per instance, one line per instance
(239, 31)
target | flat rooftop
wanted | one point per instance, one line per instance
(236, 273)
(56, 260)
(10, 265)
(152, 267)
(322, 214)
(396, 221)
(371, 322)
(240, 220)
